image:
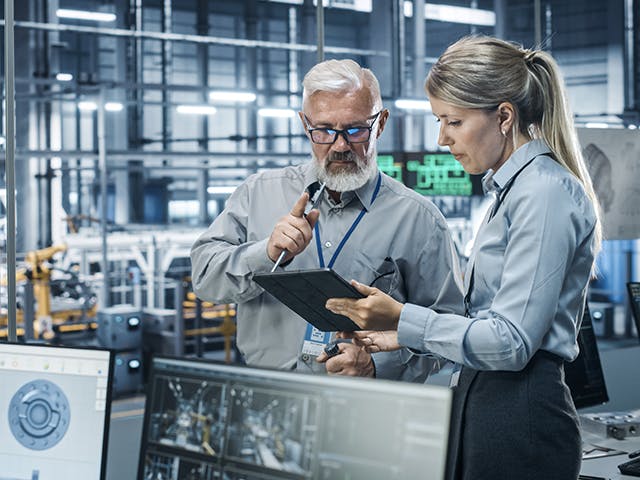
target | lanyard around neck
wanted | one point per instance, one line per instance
(349, 232)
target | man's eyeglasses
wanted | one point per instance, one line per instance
(327, 136)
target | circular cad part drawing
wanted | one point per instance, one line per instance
(39, 414)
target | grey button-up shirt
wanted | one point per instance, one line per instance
(400, 230)
(533, 260)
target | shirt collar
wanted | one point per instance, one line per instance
(497, 180)
(365, 192)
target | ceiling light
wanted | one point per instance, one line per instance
(596, 125)
(84, 15)
(223, 190)
(2, 140)
(277, 112)
(113, 106)
(232, 96)
(449, 13)
(409, 104)
(87, 106)
(196, 109)
(64, 77)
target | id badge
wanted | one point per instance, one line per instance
(314, 341)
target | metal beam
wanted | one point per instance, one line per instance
(179, 37)
(10, 146)
(320, 31)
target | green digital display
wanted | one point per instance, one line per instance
(388, 165)
(437, 174)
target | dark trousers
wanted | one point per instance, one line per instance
(514, 425)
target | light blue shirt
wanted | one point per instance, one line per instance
(402, 234)
(532, 262)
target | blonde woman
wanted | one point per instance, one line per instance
(503, 110)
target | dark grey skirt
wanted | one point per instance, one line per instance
(514, 425)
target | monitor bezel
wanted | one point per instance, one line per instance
(108, 400)
(385, 385)
(581, 399)
(635, 306)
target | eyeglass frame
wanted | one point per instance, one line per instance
(342, 132)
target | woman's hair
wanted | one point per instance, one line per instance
(341, 76)
(481, 72)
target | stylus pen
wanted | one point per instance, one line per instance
(315, 201)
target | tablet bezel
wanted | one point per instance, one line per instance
(306, 292)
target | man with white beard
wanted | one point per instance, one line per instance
(366, 226)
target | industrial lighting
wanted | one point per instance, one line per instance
(64, 77)
(196, 109)
(243, 97)
(84, 15)
(596, 125)
(223, 190)
(87, 106)
(409, 104)
(276, 112)
(449, 13)
(113, 106)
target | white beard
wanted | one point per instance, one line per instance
(346, 181)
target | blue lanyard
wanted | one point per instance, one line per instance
(349, 232)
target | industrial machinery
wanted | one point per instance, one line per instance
(50, 305)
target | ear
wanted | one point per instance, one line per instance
(506, 116)
(382, 121)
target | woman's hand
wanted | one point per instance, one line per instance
(373, 341)
(377, 311)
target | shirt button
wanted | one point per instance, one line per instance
(327, 244)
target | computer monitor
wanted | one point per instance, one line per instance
(430, 173)
(634, 299)
(54, 412)
(584, 375)
(212, 421)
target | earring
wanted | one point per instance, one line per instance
(504, 133)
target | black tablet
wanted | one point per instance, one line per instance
(306, 292)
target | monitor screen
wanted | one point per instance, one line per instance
(584, 375)
(634, 299)
(213, 421)
(430, 173)
(54, 412)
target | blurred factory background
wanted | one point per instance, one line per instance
(136, 119)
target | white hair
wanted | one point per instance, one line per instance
(341, 76)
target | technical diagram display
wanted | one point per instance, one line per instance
(211, 421)
(430, 173)
(54, 412)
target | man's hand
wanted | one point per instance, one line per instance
(293, 232)
(352, 360)
(373, 341)
(377, 311)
